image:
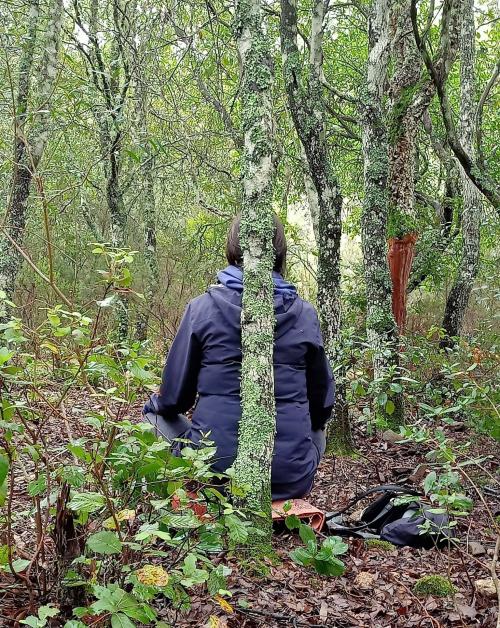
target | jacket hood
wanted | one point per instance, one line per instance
(227, 297)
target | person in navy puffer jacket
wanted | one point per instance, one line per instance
(204, 364)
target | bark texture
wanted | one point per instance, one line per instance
(409, 95)
(438, 68)
(381, 329)
(149, 213)
(458, 298)
(305, 99)
(29, 143)
(252, 467)
(109, 68)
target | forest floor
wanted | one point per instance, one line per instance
(376, 589)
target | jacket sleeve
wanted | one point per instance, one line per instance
(320, 382)
(180, 376)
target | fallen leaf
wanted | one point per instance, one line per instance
(486, 587)
(364, 580)
(224, 604)
(152, 575)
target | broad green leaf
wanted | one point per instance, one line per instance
(390, 407)
(292, 522)
(5, 355)
(238, 532)
(336, 545)
(104, 543)
(32, 621)
(45, 612)
(119, 620)
(307, 534)
(332, 567)
(301, 556)
(86, 502)
(20, 564)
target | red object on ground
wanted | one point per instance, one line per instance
(400, 258)
(199, 509)
(302, 509)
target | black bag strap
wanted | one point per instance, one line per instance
(383, 488)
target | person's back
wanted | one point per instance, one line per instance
(205, 361)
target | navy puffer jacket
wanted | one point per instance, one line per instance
(205, 360)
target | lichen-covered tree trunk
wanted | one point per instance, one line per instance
(381, 328)
(305, 98)
(458, 298)
(29, 143)
(402, 128)
(108, 67)
(252, 467)
(149, 214)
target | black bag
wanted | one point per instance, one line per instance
(410, 524)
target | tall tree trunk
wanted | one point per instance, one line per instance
(29, 144)
(381, 329)
(458, 298)
(257, 427)
(111, 77)
(305, 100)
(149, 216)
(402, 139)
(119, 83)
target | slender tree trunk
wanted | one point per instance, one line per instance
(438, 67)
(305, 101)
(111, 78)
(428, 256)
(458, 298)
(29, 144)
(149, 214)
(382, 331)
(258, 420)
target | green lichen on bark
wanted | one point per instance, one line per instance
(252, 467)
(381, 329)
(304, 87)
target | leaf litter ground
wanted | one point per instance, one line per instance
(376, 589)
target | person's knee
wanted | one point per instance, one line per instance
(319, 440)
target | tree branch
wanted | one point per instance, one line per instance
(438, 69)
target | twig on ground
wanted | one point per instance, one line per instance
(494, 575)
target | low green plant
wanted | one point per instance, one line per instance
(323, 558)
(42, 618)
(434, 584)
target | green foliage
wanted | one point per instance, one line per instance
(434, 585)
(322, 558)
(44, 615)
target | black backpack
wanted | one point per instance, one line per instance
(409, 523)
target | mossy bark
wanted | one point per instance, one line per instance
(108, 67)
(29, 142)
(458, 298)
(252, 468)
(152, 278)
(382, 332)
(305, 100)
(409, 95)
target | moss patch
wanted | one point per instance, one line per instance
(434, 585)
(379, 544)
